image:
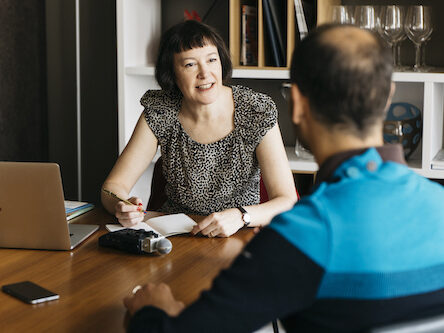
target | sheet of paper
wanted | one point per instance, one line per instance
(166, 225)
(173, 224)
(141, 225)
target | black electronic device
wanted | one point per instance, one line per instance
(29, 292)
(136, 241)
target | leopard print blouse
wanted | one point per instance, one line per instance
(206, 178)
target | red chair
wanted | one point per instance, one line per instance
(157, 196)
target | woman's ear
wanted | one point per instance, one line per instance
(299, 103)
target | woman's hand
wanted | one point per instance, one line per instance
(220, 224)
(129, 215)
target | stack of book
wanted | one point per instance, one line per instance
(267, 31)
(76, 208)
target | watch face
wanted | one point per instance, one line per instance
(246, 217)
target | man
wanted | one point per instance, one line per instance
(363, 250)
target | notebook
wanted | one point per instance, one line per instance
(32, 210)
(167, 225)
(76, 208)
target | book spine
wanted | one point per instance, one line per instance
(249, 35)
(300, 19)
(278, 16)
(277, 58)
(243, 55)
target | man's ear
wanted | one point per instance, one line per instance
(298, 104)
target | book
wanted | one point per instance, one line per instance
(306, 17)
(310, 11)
(76, 208)
(278, 9)
(300, 19)
(166, 225)
(276, 58)
(249, 36)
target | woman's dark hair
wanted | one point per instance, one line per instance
(347, 82)
(182, 37)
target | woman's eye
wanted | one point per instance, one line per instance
(190, 64)
(213, 59)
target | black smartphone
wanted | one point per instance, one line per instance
(29, 292)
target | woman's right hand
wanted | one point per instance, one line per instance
(129, 215)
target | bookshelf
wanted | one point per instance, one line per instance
(138, 34)
(235, 34)
(425, 90)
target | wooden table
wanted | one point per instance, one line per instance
(92, 281)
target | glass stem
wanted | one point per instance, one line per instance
(417, 57)
(398, 54)
(394, 54)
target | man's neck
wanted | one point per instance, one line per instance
(328, 142)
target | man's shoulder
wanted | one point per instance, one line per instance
(306, 227)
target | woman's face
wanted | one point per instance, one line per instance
(199, 74)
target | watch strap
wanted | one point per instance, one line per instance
(245, 216)
(242, 209)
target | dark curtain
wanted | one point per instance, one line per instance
(23, 116)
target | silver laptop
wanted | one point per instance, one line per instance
(32, 210)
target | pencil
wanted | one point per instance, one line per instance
(115, 196)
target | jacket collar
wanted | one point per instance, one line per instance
(389, 152)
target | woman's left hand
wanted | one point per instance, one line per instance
(220, 224)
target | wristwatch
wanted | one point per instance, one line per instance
(245, 216)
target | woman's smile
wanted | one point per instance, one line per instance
(204, 87)
(198, 74)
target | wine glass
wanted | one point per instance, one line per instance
(341, 14)
(366, 18)
(399, 66)
(418, 27)
(391, 29)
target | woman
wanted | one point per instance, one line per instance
(215, 141)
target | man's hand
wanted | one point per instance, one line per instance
(159, 296)
(220, 224)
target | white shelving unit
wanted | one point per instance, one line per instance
(138, 34)
(426, 91)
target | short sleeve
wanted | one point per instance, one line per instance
(256, 114)
(160, 110)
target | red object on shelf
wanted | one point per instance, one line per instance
(191, 16)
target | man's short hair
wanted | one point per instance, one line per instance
(346, 76)
(182, 37)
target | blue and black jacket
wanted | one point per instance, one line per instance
(365, 249)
